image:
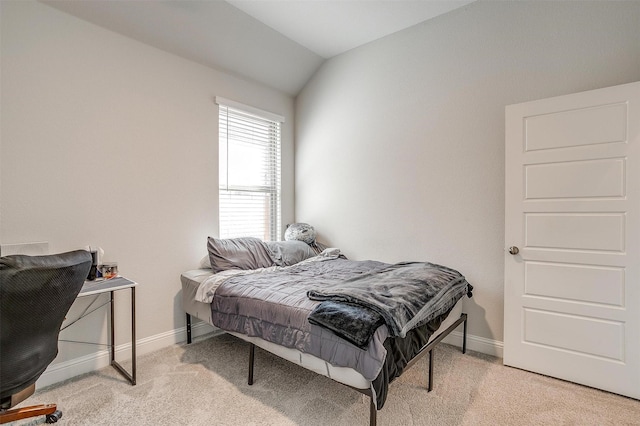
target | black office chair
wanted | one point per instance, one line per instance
(36, 292)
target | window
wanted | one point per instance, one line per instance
(249, 160)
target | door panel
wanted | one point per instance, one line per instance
(575, 231)
(594, 284)
(576, 179)
(572, 206)
(590, 336)
(584, 126)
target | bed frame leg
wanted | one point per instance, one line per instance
(464, 335)
(252, 353)
(430, 383)
(188, 329)
(372, 413)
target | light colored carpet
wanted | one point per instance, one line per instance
(205, 383)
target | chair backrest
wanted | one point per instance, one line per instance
(36, 292)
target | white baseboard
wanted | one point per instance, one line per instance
(476, 343)
(67, 369)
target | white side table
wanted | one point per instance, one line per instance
(98, 287)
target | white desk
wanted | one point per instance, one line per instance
(100, 286)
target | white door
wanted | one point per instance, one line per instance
(572, 205)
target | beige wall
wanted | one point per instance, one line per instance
(400, 143)
(109, 142)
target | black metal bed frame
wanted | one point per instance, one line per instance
(428, 348)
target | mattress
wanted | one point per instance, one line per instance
(192, 279)
(190, 282)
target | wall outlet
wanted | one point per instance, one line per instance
(32, 249)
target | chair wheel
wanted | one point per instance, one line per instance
(54, 417)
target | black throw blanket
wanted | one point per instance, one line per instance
(354, 323)
(402, 296)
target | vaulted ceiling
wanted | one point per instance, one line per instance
(277, 43)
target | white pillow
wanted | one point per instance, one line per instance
(205, 263)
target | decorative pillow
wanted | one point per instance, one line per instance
(238, 253)
(287, 253)
(300, 232)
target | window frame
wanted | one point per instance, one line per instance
(272, 189)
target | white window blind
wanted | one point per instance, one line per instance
(249, 172)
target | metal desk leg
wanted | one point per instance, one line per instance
(133, 335)
(131, 377)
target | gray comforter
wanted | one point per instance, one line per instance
(274, 306)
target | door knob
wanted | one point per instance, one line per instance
(514, 250)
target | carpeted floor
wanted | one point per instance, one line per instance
(205, 384)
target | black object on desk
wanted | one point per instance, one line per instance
(94, 266)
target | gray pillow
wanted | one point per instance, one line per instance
(287, 253)
(238, 253)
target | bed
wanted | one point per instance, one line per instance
(289, 309)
